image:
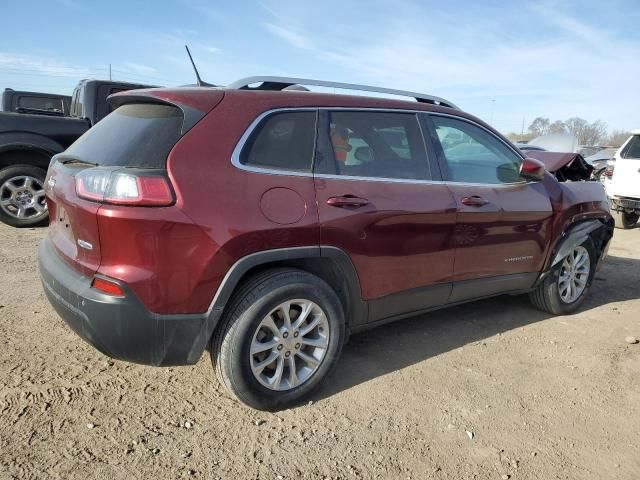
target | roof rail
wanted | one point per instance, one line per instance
(281, 83)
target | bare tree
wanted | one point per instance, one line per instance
(539, 126)
(558, 127)
(618, 137)
(587, 133)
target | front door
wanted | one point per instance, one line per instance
(378, 202)
(502, 220)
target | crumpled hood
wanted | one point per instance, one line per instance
(566, 166)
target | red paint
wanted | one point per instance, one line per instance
(398, 235)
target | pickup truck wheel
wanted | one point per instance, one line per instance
(22, 199)
(624, 220)
(565, 288)
(280, 337)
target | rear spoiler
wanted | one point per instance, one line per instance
(194, 103)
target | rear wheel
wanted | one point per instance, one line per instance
(565, 288)
(280, 337)
(624, 219)
(22, 198)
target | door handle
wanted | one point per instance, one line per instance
(474, 201)
(347, 201)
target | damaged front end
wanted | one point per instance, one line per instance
(567, 167)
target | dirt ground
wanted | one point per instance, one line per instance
(489, 390)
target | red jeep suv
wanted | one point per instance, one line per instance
(268, 224)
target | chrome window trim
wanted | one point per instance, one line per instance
(235, 156)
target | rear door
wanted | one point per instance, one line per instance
(626, 174)
(502, 220)
(380, 201)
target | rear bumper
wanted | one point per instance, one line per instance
(121, 328)
(625, 203)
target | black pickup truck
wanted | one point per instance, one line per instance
(35, 102)
(27, 143)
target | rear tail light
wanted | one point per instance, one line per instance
(107, 286)
(130, 188)
(608, 172)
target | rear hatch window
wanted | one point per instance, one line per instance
(134, 135)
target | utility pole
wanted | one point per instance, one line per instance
(493, 102)
(109, 72)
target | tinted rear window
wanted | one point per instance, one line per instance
(632, 150)
(134, 135)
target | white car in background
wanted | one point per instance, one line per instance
(623, 186)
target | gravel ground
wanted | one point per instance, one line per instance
(489, 390)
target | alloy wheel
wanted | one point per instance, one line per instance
(289, 344)
(574, 274)
(22, 197)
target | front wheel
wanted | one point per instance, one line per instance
(565, 288)
(280, 337)
(22, 198)
(624, 220)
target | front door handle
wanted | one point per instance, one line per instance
(474, 201)
(347, 201)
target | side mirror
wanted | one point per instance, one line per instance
(363, 154)
(531, 169)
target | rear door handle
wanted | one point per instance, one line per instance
(474, 201)
(347, 201)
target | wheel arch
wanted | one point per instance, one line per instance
(599, 230)
(328, 263)
(25, 155)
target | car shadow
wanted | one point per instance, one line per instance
(397, 345)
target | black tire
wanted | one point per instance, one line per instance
(600, 175)
(624, 219)
(16, 171)
(256, 297)
(547, 297)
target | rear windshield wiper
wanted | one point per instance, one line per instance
(78, 161)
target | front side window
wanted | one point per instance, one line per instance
(283, 141)
(376, 145)
(473, 155)
(632, 149)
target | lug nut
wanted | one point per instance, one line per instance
(297, 345)
(279, 347)
(295, 334)
(285, 334)
(287, 354)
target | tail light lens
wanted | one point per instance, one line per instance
(608, 172)
(120, 188)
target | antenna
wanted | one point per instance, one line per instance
(200, 82)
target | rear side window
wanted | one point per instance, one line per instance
(134, 135)
(632, 149)
(283, 141)
(376, 145)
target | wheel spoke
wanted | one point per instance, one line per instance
(271, 325)
(277, 376)
(315, 342)
(293, 375)
(311, 325)
(286, 318)
(260, 366)
(309, 360)
(28, 181)
(8, 201)
(306, 309)
(21, 212)
(259, 347)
